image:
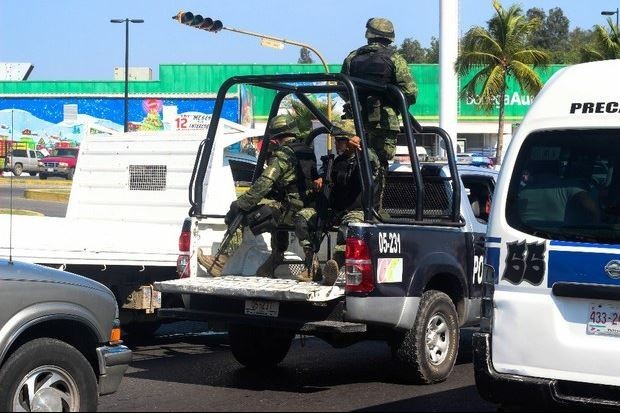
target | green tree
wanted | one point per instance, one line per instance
(304, 56)
(496, 53)
(412, 51)
(432, 53)
(606, 44)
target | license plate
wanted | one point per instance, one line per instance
(50, 169)
(604, 320)
(262, 308)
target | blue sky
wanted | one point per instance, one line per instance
(74, 40)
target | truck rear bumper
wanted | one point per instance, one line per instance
(113, 363)
(513, 390)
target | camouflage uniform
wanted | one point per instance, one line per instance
(345, 202)
(381, 122)
(276, 188)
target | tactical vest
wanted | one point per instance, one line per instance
(298, 186)
(376, 66)
(373, 65)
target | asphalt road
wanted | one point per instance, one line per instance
(51, 209)
(197, 372)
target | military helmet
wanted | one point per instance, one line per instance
(281, 126)
(344, 129)
(380, 28)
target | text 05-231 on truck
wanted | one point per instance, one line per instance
(413, 271)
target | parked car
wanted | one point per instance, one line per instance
(59, 340)
(23, 160)
(474, 159)
(61, 162)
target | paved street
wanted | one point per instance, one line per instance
(51, 209)
(198, 372)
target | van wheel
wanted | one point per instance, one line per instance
(70, 174)
(47, 375)
(427, 353)
(32, 173)
(42, 177)
(18, 169)
(259, 347)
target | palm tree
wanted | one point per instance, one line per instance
(494, 55)
(606, 44)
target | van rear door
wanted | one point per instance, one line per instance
(556, 252)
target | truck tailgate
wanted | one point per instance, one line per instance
(253, 287)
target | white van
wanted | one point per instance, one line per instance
(552, 288)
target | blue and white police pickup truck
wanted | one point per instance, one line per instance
(551, 309)
(413, 272)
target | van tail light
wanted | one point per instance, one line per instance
(183, 267)
(360, 273)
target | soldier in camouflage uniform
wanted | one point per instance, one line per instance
(379, 62)
(346, 198)
(279, 193)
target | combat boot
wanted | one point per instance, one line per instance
(213, 266)
(330, 272)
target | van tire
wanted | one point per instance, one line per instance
(437, 320)
(42, 176)
(18, 168)
(32, 173)
(259, 347)
(44, 357)
(70, 174)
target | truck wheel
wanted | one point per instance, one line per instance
(70, 174)
(43, 176)
(18, 169)
(47, 375)
(426, 354)
(259, 347)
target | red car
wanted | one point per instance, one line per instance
(61, 162)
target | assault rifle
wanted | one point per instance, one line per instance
(323, 202)
(230, 232)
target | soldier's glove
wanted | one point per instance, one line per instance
(232, 212)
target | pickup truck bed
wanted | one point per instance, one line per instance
(253, 288)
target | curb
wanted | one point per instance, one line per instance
(35, 182)
(23, 212)
(57, 195)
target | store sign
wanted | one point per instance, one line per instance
(192, 121)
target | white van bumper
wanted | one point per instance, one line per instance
(524, 391)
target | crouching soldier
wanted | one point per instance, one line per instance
(277, 195)
(345, 199)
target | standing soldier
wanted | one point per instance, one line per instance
(345, 203)
(379, 62)
(283, 189)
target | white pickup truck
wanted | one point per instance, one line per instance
(128, 198)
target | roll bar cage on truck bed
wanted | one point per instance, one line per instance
(408, 278)
(298, 86)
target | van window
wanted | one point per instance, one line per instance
(566, 186)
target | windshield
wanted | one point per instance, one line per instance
(70, 153)
(566, 186)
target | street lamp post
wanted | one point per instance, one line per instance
(126, 21)
(611, 13)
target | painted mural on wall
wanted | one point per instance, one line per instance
(49, 121)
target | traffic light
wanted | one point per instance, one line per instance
(204, 23)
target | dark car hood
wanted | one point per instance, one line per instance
(20, 271)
